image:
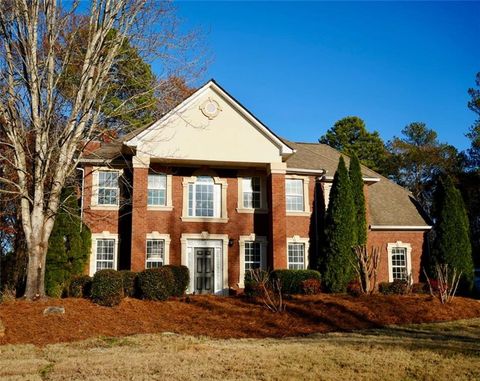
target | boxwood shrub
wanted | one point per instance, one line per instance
(107, 288)
(156, 284)
(291, 280)
(181, 276)
(80, 287)
(397, 287)
(129, 279)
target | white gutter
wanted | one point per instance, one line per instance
(366, 179)
(305, 170)
(400, 227)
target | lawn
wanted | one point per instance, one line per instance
(440, 351)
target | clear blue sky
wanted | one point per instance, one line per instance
(300, 66)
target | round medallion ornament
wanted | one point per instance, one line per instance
(210, 108)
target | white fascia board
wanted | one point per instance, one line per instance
(306, 171)
(284, 149)
(400, 227)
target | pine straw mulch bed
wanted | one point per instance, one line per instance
(222, 317)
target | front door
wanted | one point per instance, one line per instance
(204, 279)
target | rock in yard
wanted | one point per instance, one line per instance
(54, 311)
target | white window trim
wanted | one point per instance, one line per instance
(223, 202)
(166, 249)
(306, 201)
(306, 242)
(94, 205)
(206, 236)
(390, 246)
(168, 194)
(93, 253)
(263, 254)
(263, 193)
(326, 189)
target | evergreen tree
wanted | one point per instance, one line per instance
(452, 242)
(68, 247)
(339, 233)
(355, 173)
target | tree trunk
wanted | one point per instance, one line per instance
(35, 287)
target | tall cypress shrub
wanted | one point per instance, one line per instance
(452, 244)
(339, 233)
(68, 247)
(355, 173)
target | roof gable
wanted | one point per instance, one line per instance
(193, 132)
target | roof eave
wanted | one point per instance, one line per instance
(400, 227)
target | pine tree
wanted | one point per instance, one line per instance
(339, 235)
(452, 242)
(68, 247)
(356, 180)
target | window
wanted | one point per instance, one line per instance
(399, 263)
(204, 198)
(155, 253)
(296, 256)
(107, 188)
(294, 195)
(105, 256)
(157, 190)
(251, 192)
(253, 255)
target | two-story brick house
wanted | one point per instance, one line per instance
(211, 187)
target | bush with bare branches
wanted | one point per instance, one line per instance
(446, 283)
(366, 264)
(270, 290)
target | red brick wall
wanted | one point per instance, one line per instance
(278, 224)
(380, 239)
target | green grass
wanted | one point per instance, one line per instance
(443, 351)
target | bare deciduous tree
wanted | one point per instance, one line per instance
(446, 283)
(43, 128)
(366, 266)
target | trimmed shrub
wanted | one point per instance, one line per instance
(107, 288)
(419, 288)
(181, 276)
(291, 280)
(80, 287)
(252, 288)
(311, 286)
(397, 287)
(156, 284)
(129, 279)
(354, 288)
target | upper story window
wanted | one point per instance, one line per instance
(157, 190)
(204, 198)
(251, 192)
(294, 195)
(108, 192)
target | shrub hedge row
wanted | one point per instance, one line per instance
(291, 280)
(108, 287)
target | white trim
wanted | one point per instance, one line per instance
(284, 149)
(94, 205)
(365, 179)
(408, 258)
(166, 252)
(306, 200)
(93, 252)
(306, 242)
(263, 254)
(223, 216)
(400, 227)
(206, 240)
(306, 171)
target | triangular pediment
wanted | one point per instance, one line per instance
(210, 126)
